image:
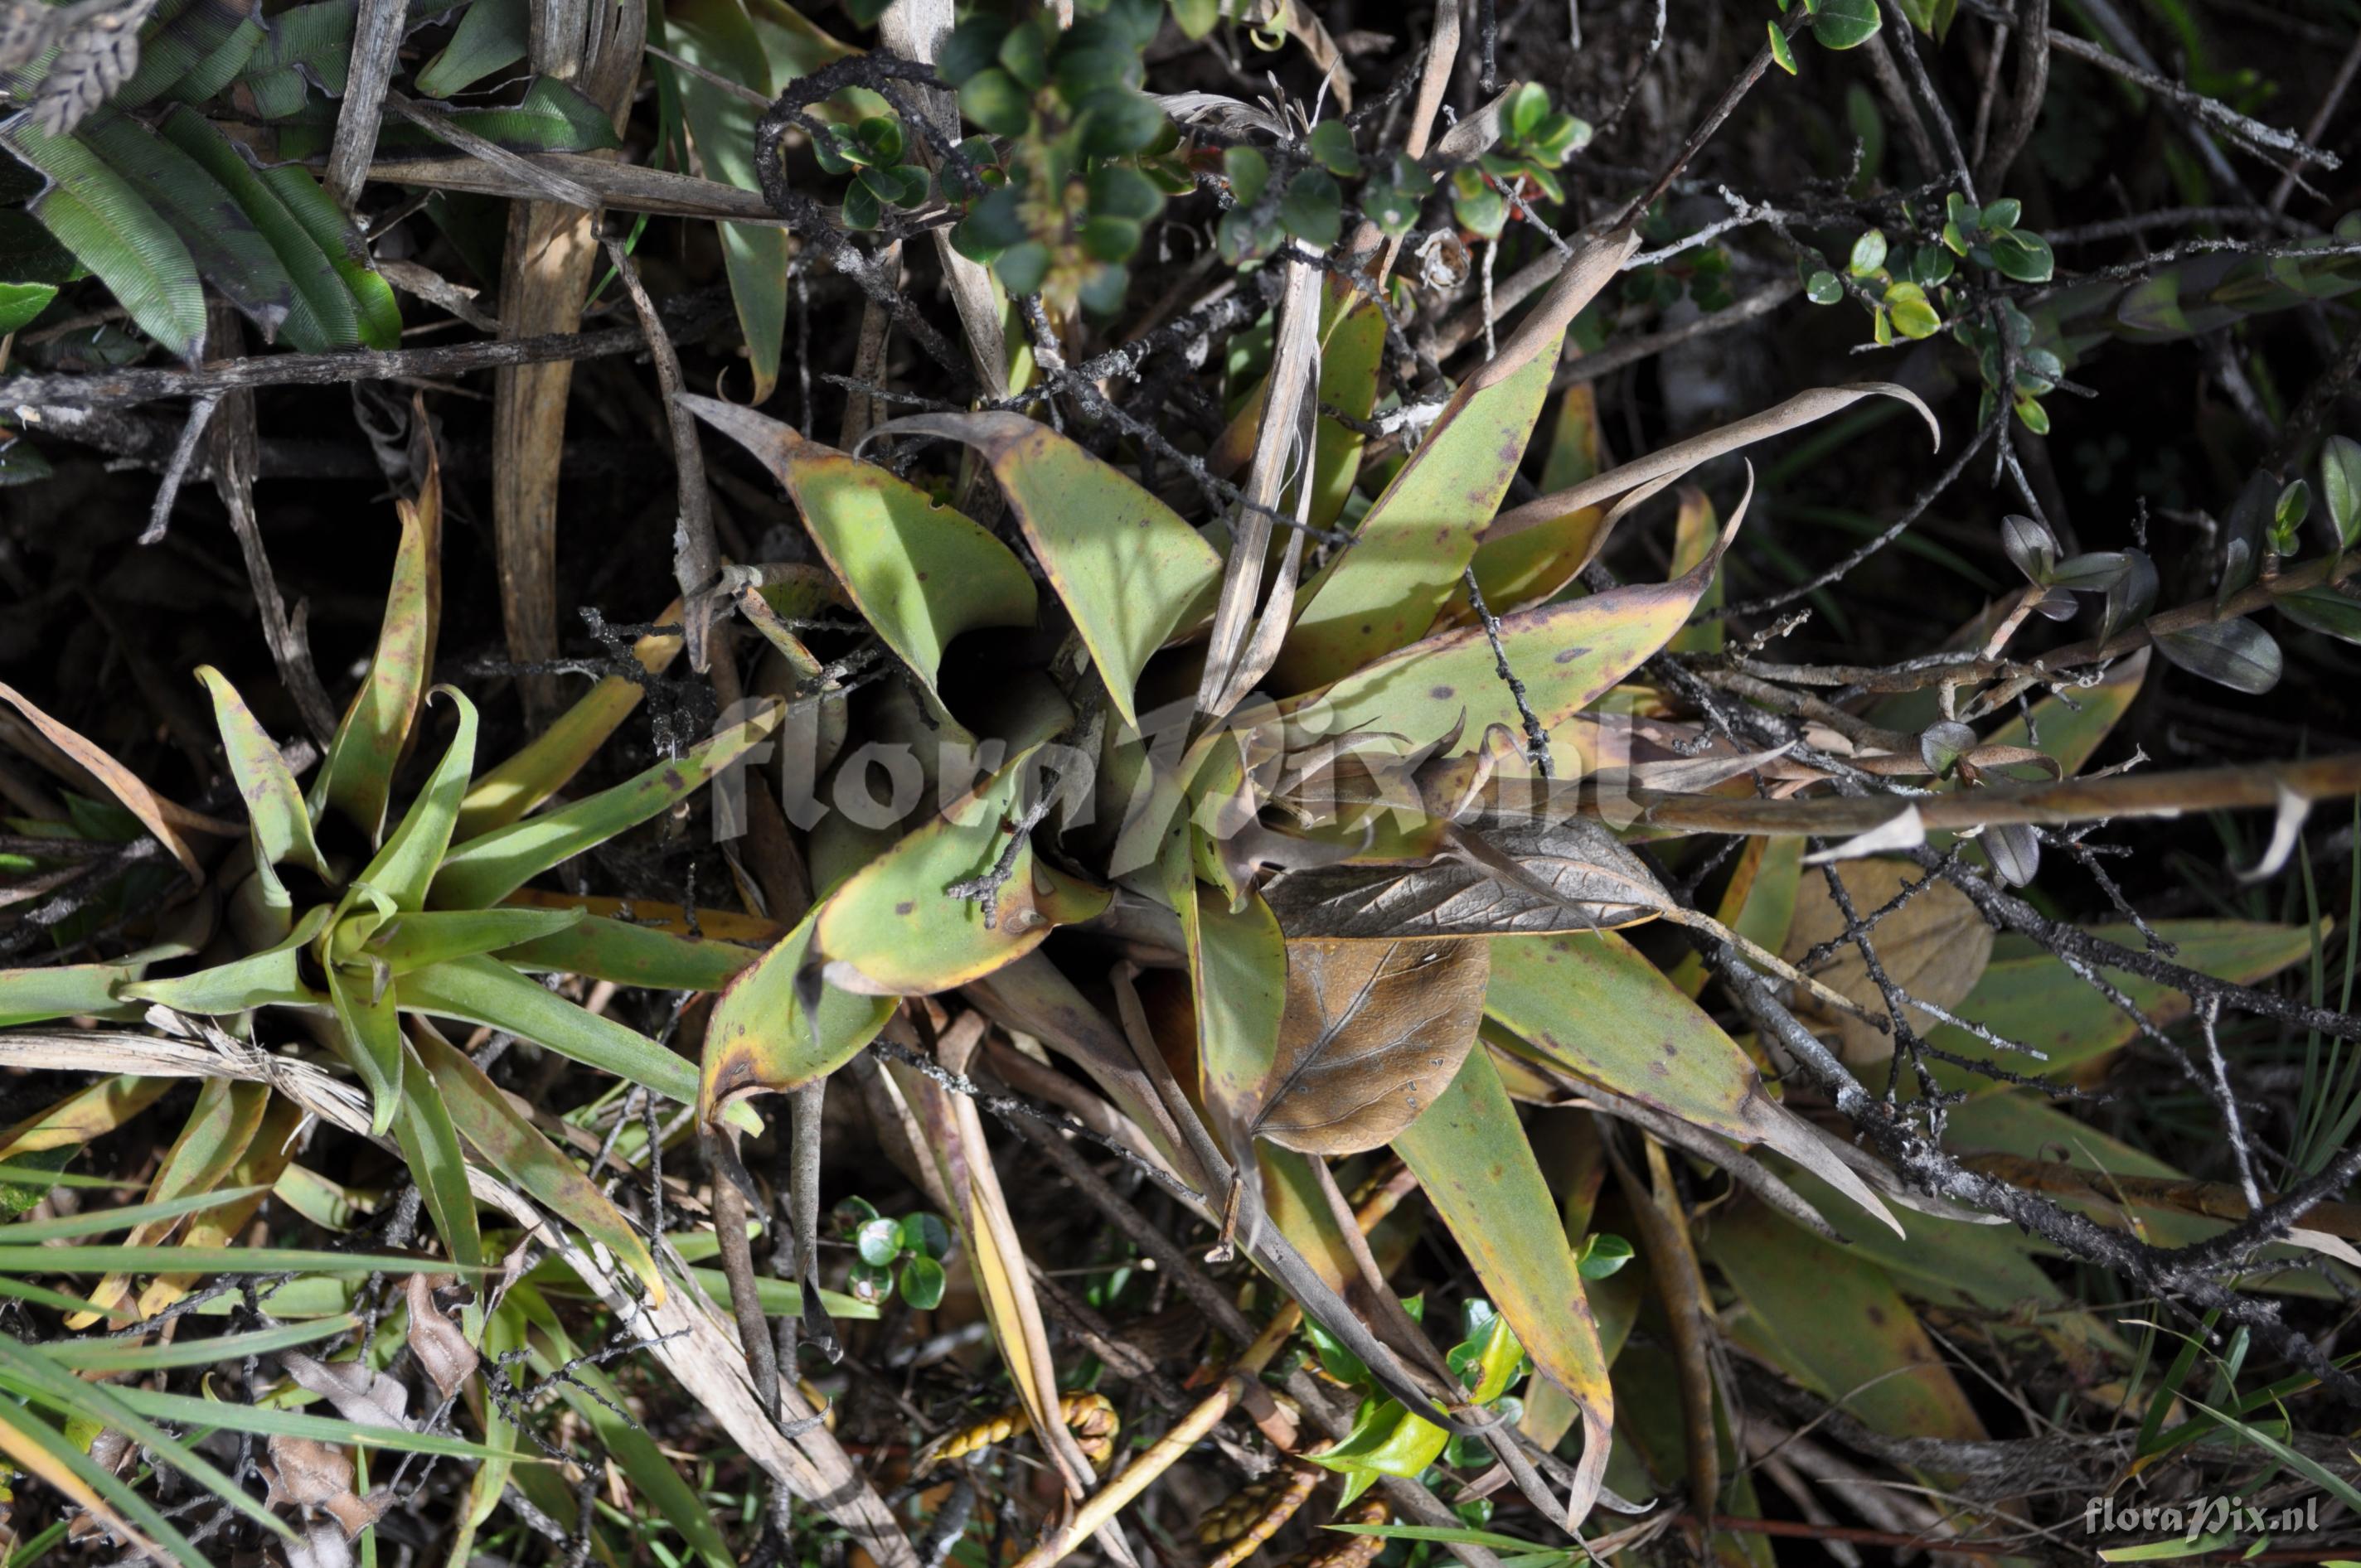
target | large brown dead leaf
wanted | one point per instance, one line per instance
(1372, 1034)
(1935, 947)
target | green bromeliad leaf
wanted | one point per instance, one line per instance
(484, 991)
(1635, 1032)
(413, 940)
(314, 210)
(370, 1035)
(321, 313)
(1130, 571)
(717, 36)
(272, 977)
(1567, 655)
(438, 1162)
(405, 867)
(504, 1136)
(780, 1026)
(492, 35)
(356, 779)
(1833, 1319)
(895, 928)
(921, 573)
(486, 869)
(598, 947)
(544, 765)
(1472, 1162)
(231, 252)
(67, 990)
(274, 804)
(2034, 998)
(1405, 561)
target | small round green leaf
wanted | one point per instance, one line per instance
(922, 1283)
(1602, 1254)
(1313, 209)
(879, 1243)
(992, 99)
(1846, 23)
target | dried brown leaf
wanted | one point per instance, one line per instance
(307, 1473)
(1595, 883)
(1372, 1034)
(371, 1398)
(449, 1360)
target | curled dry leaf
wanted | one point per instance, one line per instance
(370, 1398)
(307, 1473)
(155, 813)
(1598, 883)
(1935, 947)
(1371, 1035)
(448, 1359)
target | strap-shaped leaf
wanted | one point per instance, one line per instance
(220, 68)
(112, 229)
(1567, 655)
(2037, 1000)
(1832, 1319)
(544, 765)
(552, 116)
(272, 977)
(231, 253)
(241, 1194)
(921, 573)
(1238, 986)
(274, 804)
(483, 991)
(895, 928)
(414, 940)
(776, 1029)
(1406, 558)
(374, 306)
(65, 991)
(504, 1136)
(405, 867)
(307, 43)
(600, 948)
(102, 1402)
(717, 36)
(1472, 1160)
(368, 1031)
(41, 1450)
(83, 1116)
(181, 39)
(1127, 567)
(1637, 1033)
(210, 1144)
(486, 870)
(321, 315)
(438, 1162)
(491, 36)
(357, 777)
(156, 814)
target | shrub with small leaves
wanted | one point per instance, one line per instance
(1535, 140)
(1086, 159)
